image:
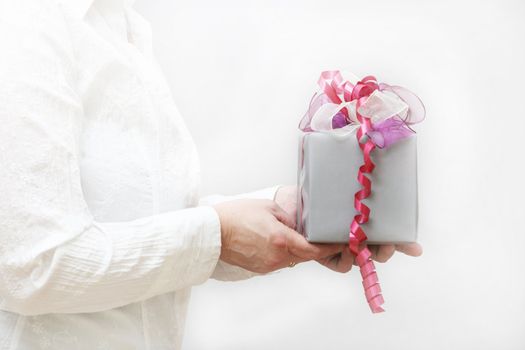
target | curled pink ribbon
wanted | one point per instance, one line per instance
(369, 136)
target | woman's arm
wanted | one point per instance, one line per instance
(54, 256)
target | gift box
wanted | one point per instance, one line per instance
(327, 182)
(357, 177)
(331, 152)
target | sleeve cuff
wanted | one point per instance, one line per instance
(265, 193)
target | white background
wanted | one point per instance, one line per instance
(242, 73)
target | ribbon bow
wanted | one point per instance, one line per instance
(382, 115)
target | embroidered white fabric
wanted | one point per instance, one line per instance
(102, 233)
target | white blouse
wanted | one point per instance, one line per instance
(102, 233)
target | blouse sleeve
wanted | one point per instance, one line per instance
(54, 257)
(224, 271)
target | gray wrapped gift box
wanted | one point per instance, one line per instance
(327, 181)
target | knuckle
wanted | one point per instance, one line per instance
(278, 241)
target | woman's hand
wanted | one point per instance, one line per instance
(257, 235)
(286, 198)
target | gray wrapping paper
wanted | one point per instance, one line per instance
(327, 182)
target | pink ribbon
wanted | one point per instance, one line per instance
(385, 133)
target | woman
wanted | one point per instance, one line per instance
(102, 232)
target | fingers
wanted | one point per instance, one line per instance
(286, 198)
(383, 253)
(412, 249)
(299, 246)
(328, 249)
(346, 262)
(283, 216)
(341, 262)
